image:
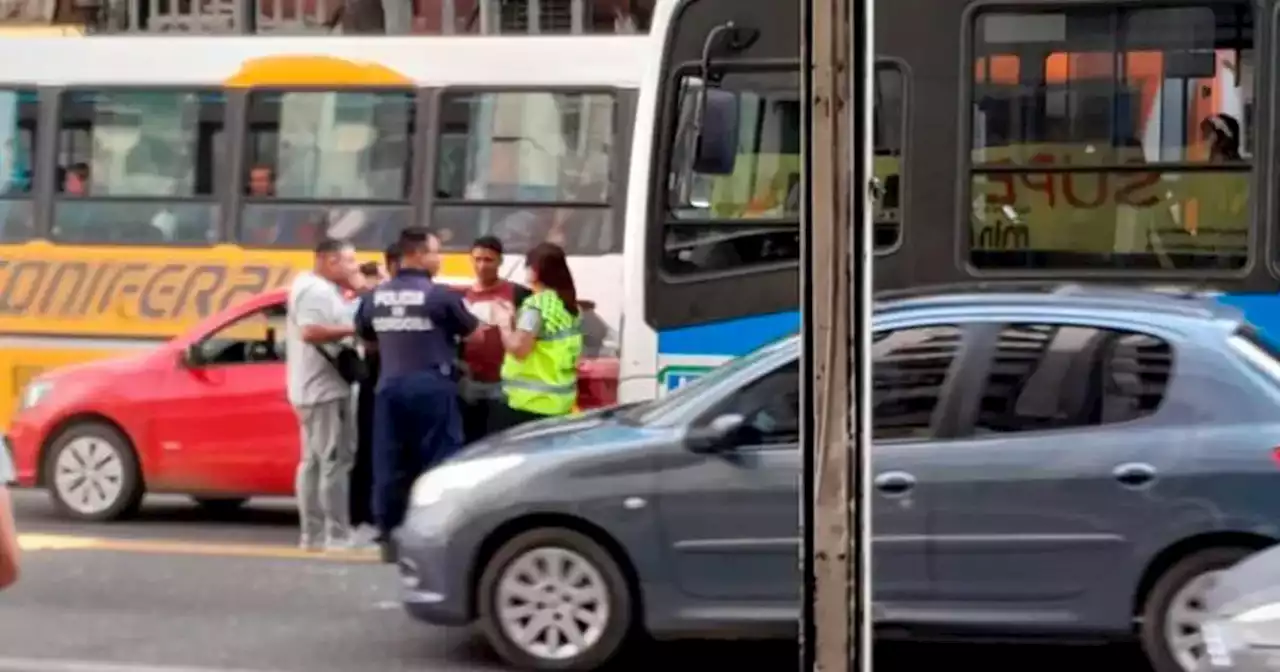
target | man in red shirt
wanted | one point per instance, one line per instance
(482, 352)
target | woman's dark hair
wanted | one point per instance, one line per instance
(547, 260)
(1225, 130)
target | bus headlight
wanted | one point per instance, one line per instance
(432, 486)
(34, 393)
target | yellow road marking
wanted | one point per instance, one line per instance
(59, 542)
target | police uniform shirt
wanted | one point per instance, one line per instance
(415, 323)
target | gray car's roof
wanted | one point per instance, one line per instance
(1176, 306)
(1177, 303)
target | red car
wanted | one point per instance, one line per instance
(205, 414)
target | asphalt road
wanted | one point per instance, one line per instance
(177, 590)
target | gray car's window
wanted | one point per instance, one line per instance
(1049, 376)
(911, 367)
(657, 409)
(770, 406)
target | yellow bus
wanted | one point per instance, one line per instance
(147, 182)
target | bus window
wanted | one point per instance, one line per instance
(527, 167)
(138, 167)
(888, 126)
(1112, 138)
(334, 164)
(751, 217)
(18, 113)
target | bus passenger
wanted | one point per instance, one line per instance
(8, 532)
(415, 325)
(543, 344)
(1222, 132)
(481, 386)
(75, 180)
(262, 182)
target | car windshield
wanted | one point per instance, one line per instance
(654, 410)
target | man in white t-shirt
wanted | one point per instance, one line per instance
(320, 321)
(8, 532)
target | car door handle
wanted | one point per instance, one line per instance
(1134, 474)
(895, 483)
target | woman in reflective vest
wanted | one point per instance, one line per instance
(543, 344)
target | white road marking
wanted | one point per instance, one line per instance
(60, 665)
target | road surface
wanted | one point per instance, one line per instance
(177, 590)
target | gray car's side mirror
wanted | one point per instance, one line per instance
(716, 436)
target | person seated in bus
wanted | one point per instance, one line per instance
(279, 226)
(262, 182)
(1222, 132)
(74, 223)
(75, 180)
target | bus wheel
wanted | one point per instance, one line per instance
(92, 473)
(553, 599)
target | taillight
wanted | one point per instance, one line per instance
(1275, 455)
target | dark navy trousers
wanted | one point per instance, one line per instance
(417, 424)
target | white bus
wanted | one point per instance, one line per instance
(1035, 141)
(148, 181)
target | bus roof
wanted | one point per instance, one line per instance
(346, 61)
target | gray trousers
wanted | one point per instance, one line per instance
(324, 473)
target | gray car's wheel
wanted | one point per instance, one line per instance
(1175, 610)
(553, 599)
(92, 473)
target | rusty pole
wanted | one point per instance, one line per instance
(836, 296)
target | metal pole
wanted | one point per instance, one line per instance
(247, 16)
(836, 290)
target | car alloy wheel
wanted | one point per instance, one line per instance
(552, 603)
(1173, 611)
(89, 475)
(556, 600)
(1183, 619)
(92, 473)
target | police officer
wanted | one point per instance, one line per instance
(415, 325)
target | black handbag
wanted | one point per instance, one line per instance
(348, 363)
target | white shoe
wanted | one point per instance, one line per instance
(368, 534)
(351, 545)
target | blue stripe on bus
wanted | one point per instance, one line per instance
(1262, 311)
(734, 338)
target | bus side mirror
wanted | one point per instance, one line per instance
(717, 142)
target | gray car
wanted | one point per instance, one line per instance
(1060, 462)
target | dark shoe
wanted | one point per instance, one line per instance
(390, 554)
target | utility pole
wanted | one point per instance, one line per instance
(836, 291)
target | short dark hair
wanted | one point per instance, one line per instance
(392, 255)
(491, 243)
(330, 245)
(414, 238)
